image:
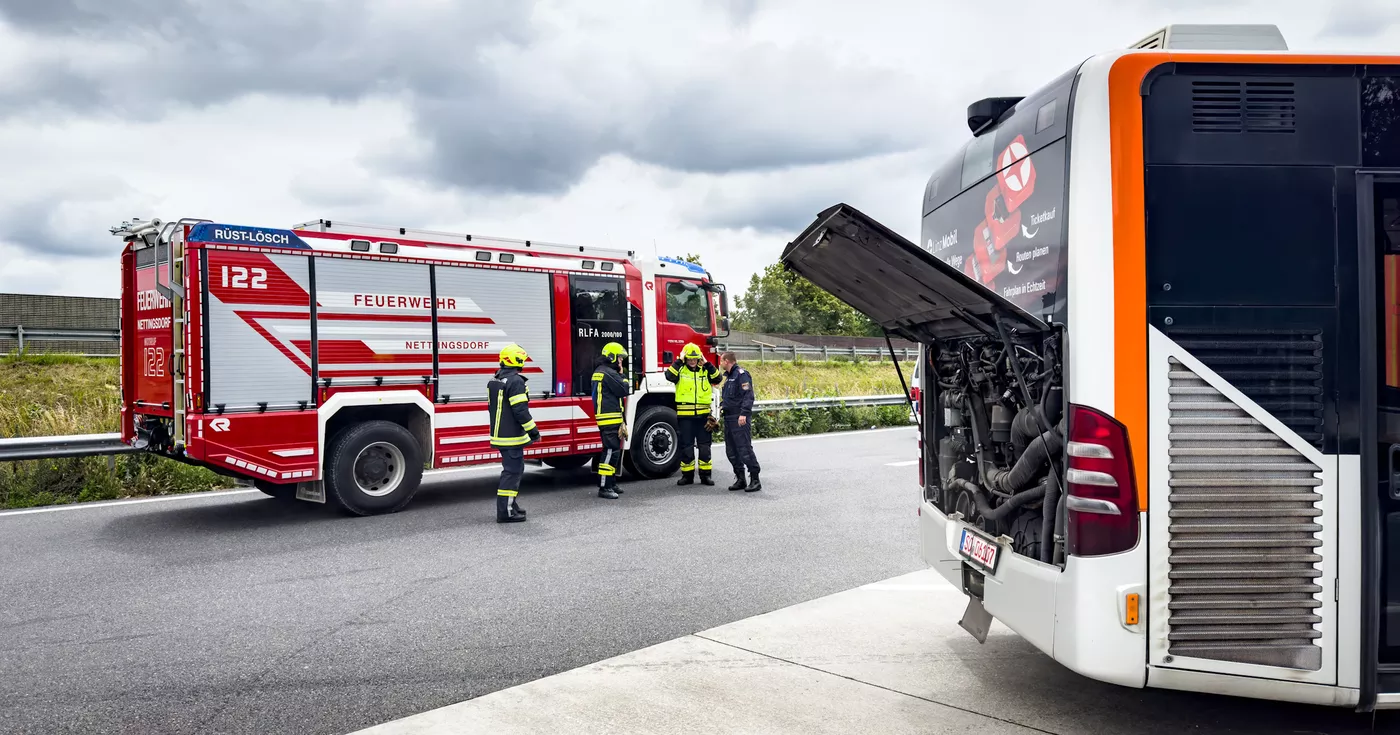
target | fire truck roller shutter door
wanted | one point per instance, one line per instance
(373, 319)
(259, 329)
(488, 309)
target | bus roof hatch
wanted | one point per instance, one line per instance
(1202, 37)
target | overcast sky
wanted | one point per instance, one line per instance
(717, 127)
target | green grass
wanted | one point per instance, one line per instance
(804, 379)
(49, 395)
(818, 379)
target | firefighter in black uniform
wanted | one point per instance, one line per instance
(609, 390)
(695, 379)
(736, 405)
(511, 429)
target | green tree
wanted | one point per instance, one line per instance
(780, 301)
(693, 258)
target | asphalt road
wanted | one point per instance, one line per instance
(242, 614)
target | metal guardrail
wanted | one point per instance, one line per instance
(92, 445)
(764, 352)
(21, 334)
(788, 404)
(50, 447)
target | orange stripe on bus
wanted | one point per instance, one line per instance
(1130, 257)
(1130, 229)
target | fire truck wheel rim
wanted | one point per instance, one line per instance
(659, 444)
(379, 469)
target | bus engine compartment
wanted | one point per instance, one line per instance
(1001, 429)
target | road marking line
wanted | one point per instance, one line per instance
(131, 501)
(196, 496)
(906, 463)
(831, 433)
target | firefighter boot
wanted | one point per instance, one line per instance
(687, 478)
(756, 486)
(739, 482)
(607, 492)
(705, 478)
(506, 512)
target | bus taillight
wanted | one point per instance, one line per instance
(1102, 504)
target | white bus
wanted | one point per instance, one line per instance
(1159, 300)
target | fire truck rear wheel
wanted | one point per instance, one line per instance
(373, 468)
(655, 443)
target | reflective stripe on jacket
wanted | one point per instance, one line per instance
(694, 388)
(509, 408)
(609, 388)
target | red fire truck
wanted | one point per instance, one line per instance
(333, 362)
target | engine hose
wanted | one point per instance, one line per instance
(1029, 466)
(979, 497)
(1023, 431)
(1045, 397)
(975, 415)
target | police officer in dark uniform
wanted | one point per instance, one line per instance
(609, 390)
(736, 405)
(512, 428)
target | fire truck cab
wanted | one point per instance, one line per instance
(334, 362)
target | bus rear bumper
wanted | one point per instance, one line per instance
(1076, 616)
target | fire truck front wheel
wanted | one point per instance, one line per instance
(374, 467)
(655, 443)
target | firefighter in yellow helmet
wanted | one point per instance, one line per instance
(512, 428)
(610, 389)
(695, 378)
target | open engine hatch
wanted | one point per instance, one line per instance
(899, 285)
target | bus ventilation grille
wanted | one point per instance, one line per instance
(1235, 106)
(1244, 535)
(1279, 370)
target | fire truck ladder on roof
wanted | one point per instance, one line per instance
(383, 232)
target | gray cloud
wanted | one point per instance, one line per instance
(501, 105)
(141, 58)
(782, 204)
(738, 9)
(66, 15)
(784, 213)
(72, 221)
(1359, 18)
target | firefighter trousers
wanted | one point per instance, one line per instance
(610, 461)
(512, 469)
(738, 446)
(693, 435)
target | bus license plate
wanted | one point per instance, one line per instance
(979, 550)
